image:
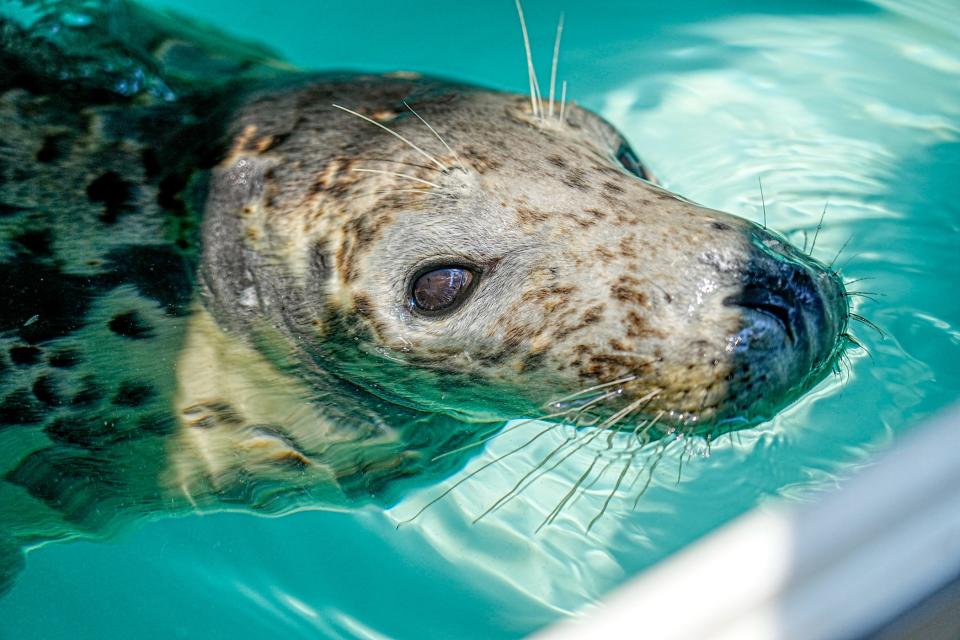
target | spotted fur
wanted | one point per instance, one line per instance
(207, 285)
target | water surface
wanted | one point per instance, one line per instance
(853, 106)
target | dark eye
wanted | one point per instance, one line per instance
(441, 289)
(629, 161)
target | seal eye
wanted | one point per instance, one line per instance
(629, 161)
(439, 290)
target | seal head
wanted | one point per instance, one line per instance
(519, 260)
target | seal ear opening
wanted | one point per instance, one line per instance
(11, 563)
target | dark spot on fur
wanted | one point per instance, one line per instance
(159, 272)
(64, 359)
(623, 293)
(592, 315)
(169, 194)
(25, 355)
(604, 253)
(638, 327)
(29, 287)
(54, 147)
(557, 161)
(132, 394)
(530, 216)
(628, 247)
(320, 266)
(720, 226)
(37, 242)
(113, 192)
(151, 163)
(479, 160)
(616, 204)
(612, 187)
(130, 325)
(533, 361)
(18, 408)
(72, 483)
(49, 390)
(9, 209)
(575, 179)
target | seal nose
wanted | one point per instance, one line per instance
(785, 293)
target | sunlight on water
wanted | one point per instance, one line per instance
(855, 109)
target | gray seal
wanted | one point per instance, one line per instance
(230, 283)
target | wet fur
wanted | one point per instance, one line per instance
(206, 299)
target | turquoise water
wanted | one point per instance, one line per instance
(855, 104)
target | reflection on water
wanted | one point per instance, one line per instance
(856, 110)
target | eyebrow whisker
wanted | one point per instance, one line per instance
(563, 100)
(531, 70)
(398, 174)
(553, 67)
(439, 137)
(442, 166)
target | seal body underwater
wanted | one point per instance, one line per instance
(228, 282)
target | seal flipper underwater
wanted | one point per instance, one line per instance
(109, 130)
(226, 291)
(98, 251)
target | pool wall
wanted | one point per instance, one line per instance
(878, 556)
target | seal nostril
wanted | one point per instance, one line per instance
(763, 301)
(780, 314)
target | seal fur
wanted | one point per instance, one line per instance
(208, 286)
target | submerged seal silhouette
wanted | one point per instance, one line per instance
(234, 283)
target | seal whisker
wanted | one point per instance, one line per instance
(476, 471)
(599, 476)
(597, 387)
(616, 487)
(416, 165)
(535, 102)
(584, 439)
(858, 345)
(566, 498)
(385, 191)
(553, 66)
(630, 408)
(499, 432)
(869, 295)
(842, 247)
(563, 100)
(683, 452)
(399, 175)
(429, 157)
(819, 227)
(516, 489)
(763, 202)
(658, 456)
(859, 318)
(596, 478)
(847, 262)
(439, 137)
(606, 425)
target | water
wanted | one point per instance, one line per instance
(855, 104)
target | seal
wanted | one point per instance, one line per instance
(230, 283)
